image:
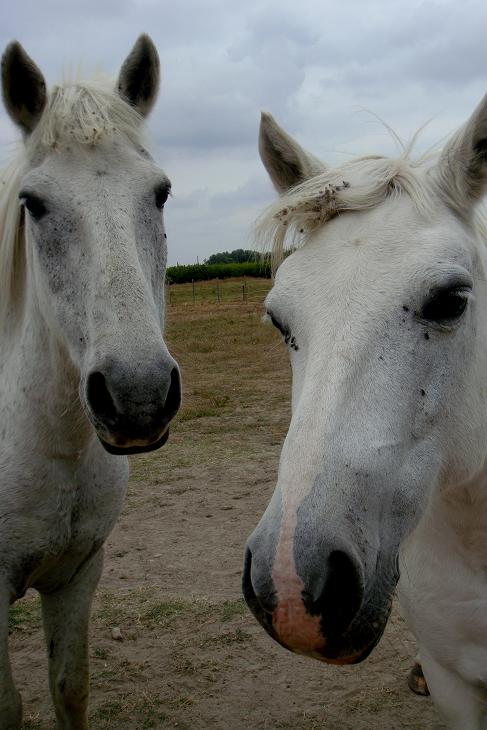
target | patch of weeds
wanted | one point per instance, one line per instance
(109, 710)
(230, 637)
(100, 652)
(33, 722)
(25, 615)
(211, 395)
(125, 669)
(162, 612)
(309, 724)
(107, 674)
(233, 609)
(146, 708)
(112, 609)
(204, 347)
(187, 666)
(116, 609)
(184, 665)
(141, 607)
(190, 414)
(181, 701)
(132, 670)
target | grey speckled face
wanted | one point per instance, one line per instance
(95, 240)
(98, 250)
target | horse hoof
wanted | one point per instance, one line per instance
(417, 682)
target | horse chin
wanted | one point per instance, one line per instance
(127, 450)
(342, 652)
(355, 645)
(346, 652)
(350, 655)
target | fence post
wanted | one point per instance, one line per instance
(218, 289)
(192, 283)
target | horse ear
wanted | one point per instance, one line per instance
(462, 167)
(287, 163)
(23, 87)
(139, 77)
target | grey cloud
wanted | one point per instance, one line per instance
(314, 64)
(248, 195)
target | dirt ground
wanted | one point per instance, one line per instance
(191, 655)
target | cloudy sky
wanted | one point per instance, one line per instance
(316, 65)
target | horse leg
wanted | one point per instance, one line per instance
(458, 701)
(10, 702)
(66, 616)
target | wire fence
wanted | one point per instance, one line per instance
(217, 291)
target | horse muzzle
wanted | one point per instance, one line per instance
(131, 409)
(330, 619)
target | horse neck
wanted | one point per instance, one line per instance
(42, 388)
(457, 518)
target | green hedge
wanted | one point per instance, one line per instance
(203, 272)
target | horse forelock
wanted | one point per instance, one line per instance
(81, 113)
(358, 185)
(85, 113)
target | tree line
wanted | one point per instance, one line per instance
(222, 265)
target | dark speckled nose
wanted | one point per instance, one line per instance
(305, 614)
(131, 407)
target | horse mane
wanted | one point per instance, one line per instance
(359, 184)
(76, 112)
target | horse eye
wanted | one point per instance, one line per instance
(162, 194)
(446, 306)
(34, 205)
(283, 330)
(288, 338)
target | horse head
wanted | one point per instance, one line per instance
(92, 246)
(379, 305)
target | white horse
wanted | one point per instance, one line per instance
(85, 376)
(384, 311)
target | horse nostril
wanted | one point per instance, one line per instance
(342, 595)
(99, 398)
(250, 595)
(258, 593)
(254, 602)
(247, 589)
(173, 397)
